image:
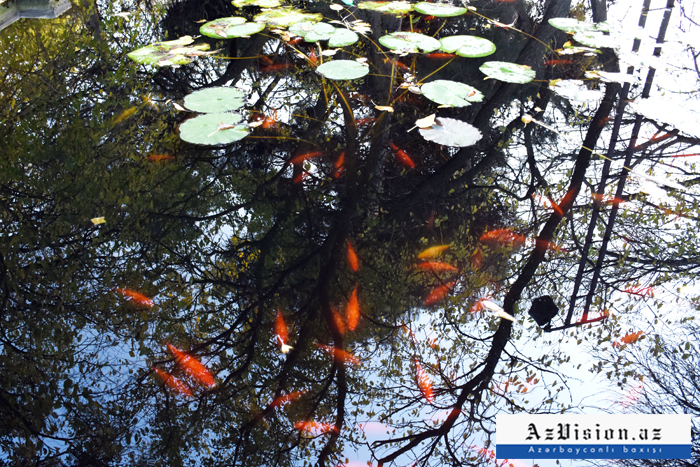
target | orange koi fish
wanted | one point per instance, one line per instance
(281, 400)
(437, 266)
(192, 367)
(424, 384)
(352, 312)
(160, 157)
(316, 428)
(295, 41)
(440, 56)
(270, 122)
(605, 199)
(402, 156)
(558, 62)
(300, 177)
(266, 60)
(433, 251)
(338, 321)
(281, 333)
(136, 297)
(438, 293)
(641, 291)
(628, 339)
(339, 165)
(398, 64)
(365, 121)
(306, 156)
(313, 58)
(276, 67)
(172, 382)
(428, 18)
(352, 258)
(340, 356)
(547, 200)
(503, 236)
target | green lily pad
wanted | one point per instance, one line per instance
(451, 93)
(215, 100)
(451, 132)
(312, 31)
(342, 37)
(441, 10)
(571, 25)
(508, 72)
(343, 69)
(168, 53)
(260, 3)
(397, 8)
(467, 46)
(285, 17)
(204, 129)
(409, 42)
(595, 39)
(228, 28)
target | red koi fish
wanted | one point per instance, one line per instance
(339, 165)
(192, 367)
(558, 62)
(172, 382)
(439, 293)
(433, 251)
(295, 41)
(352, 312)
(277, 67)
(291, 397)
(503, 236)
(398, 64)
(352, 258)
(605, 199)
(338, 321)
(628, 339)
(304, 157)
(300, 177)
(266, 60)
(281, 333)
(315, 428)
(340, 356)
(641, 291)
(437, 266)
(424, 384)
(136, 297)
(365, 121)
(160, 157)
(428, 18)
(440, 56)
(313, 58)
(547, 200)
(270, 122)
(402, 156)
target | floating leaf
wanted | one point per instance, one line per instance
(451, 93)
(508, 72)
(441, 10)
(396, 8)
(426, 122)
(98, 220)
(312, 31)
(467, 46)
(214, 100)
(217, 28)
(204, 129)
(571, 25)
(342, 37)
(231, 31)
(343, 69)
(260, 3)
(596, 39)
(168, 53)
(409, 42)
(451, 132)
(286, 17)
(384, 108)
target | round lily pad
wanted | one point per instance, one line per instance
(312, 31)
(260, 3)
(396, 8)
(214, 100)
(451, 132)
(508, 72)
(595, 39)
(286, 17)
(168, 53)
(441, 10)
(467, 46)
(342, 37)
(205, 129)
(571, 25)
(451, 93)
(343, 69)
(222, 29)
(409, 42)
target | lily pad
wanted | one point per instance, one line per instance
(451, 132)
(451, 93)
(228, 28)
(312, 31)
(342, 37)
(204, 129)
(571, 25)
(595, 39)
(441, 10)
(409, 42)
(397, 8)
(508, 72)
(343, 69)
(576, 90)
(467, 46)
(215, 100)
(260, 3)
(169, 53)
(286, 17)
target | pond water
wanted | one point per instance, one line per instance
(314, 233)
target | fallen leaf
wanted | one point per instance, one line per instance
(426, 122)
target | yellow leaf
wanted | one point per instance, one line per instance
(426, 122)
(98, 220)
